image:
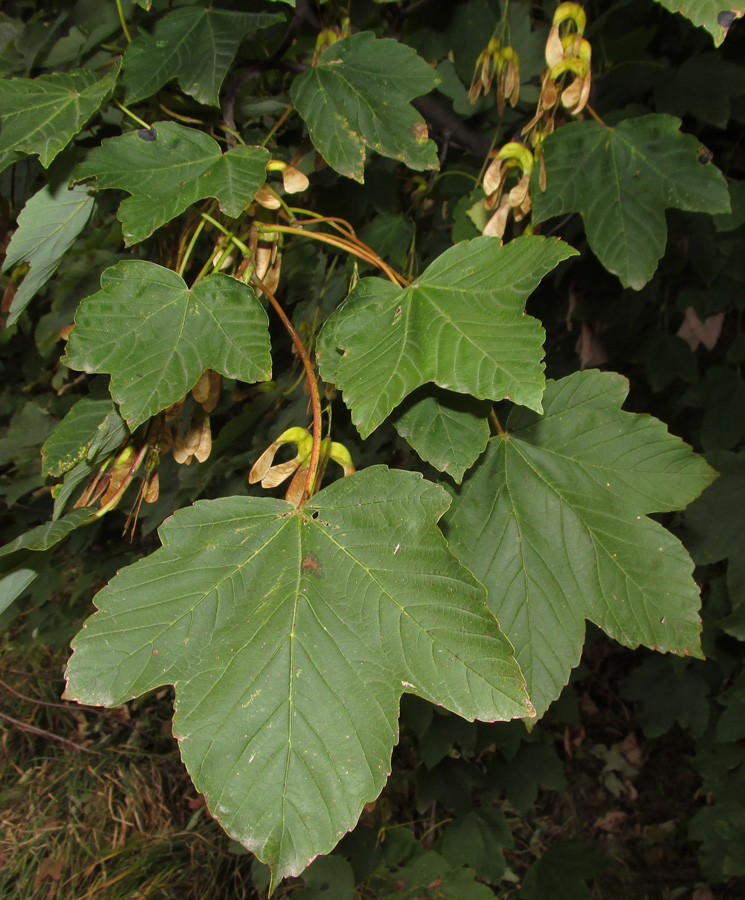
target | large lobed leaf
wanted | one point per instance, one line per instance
(156, 337)
(42, 115)
(195, 45)
(168, 167)
(461, 325)
(290, 636)
(713, 15)
(48, 226)
(622, 180)
(552, 520)
(358, 96)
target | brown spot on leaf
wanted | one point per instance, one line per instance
(421, 133)
(311, 564)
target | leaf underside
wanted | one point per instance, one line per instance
(290, 636)
(713, 15)
(48, 226)
(92, 427)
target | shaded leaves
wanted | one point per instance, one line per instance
(552, 521)
(42, 115)
(622, 180)
(48, 226)
(195, 45)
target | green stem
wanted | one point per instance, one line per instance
(228, 234)
(497, 424)
(277, 125)
(595, 115)
(127, 35)
(441, 175)
(197, 231)
(217, 258)
(131, 115)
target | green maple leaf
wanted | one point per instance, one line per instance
(358, 96)
(552, 520)
(449, 431)
(48, 226)
(42, 115)
(156, 337)
(714, 523)
(713, 15)
(166, 169)
(476, 839)
(290, 636)
(195, 45)
(461, 325)
(622, 180)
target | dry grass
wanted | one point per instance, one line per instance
(96, 803)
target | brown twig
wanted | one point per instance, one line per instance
(451, 126)
(341, 244)
(67, 706)
(47, 734)
(315, 397)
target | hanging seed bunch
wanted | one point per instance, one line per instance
(565, 84)
(566, 81)
(513, 158)
(195, 440)
(498, 61)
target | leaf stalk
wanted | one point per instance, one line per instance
(127, 35)
(341, 244)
